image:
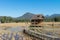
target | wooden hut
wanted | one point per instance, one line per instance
(36, 20)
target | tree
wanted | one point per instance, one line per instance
(3, 19)
(55, 19)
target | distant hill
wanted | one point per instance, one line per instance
(52, 16)
(29, 15)
(26, 16)
(55, 15)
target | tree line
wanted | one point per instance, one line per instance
(6, 19)
(52, 19)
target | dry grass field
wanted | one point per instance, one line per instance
(48, 27)
(27, 24)
(14, 24)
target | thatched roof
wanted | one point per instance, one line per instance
(37, 17)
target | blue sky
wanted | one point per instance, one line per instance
(16, 8)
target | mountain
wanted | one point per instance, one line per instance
(52, 16)
(55, 15)
(26, 16)
(29, 15)
(47, 16)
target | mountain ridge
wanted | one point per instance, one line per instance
(28, 15)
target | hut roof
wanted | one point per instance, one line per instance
(38, 17)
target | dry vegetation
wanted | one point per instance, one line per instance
(27, 24)
(14, 24)
(47, 26)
